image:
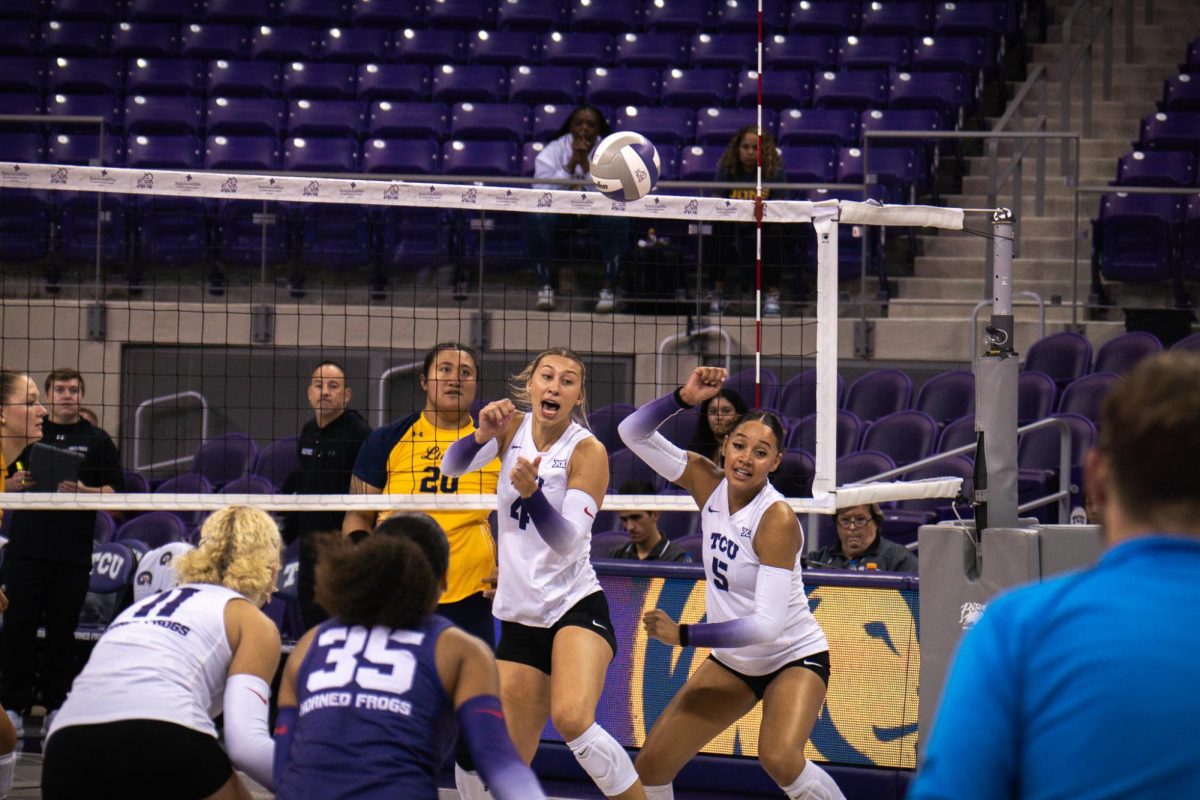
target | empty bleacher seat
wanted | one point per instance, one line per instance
(697, 87)
(165, 76)
(455, 83)
(489, 121)
(147, 39)
(651, 50)
(548, 83)
(387, 13)
(494, 158)
(800, 51)
(837, 126)
(234, 152)
(531, 15)
(781, 89)
(658, 124)
(320, 117)
(858, 90)
(881, 51)
(152, 114)
(84, 75)
(209, 41)
(429, 121)
(402, 156)
(308, 80)
(878, 393)
(75, 38)
(245, 115)
(1121, 353)
(418, 45)
(635, 86)
(614, 16)
(230, 78)
(321, 154)
(1064, 356)
(503, 47)
(393, 82)
(577, 48)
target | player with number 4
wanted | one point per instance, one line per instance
(766, 644)
(556, 636)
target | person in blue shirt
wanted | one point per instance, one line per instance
(1084, 686)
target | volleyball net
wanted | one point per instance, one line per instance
(201, 302)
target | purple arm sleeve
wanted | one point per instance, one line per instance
(467, 455)
(557, 529)
(285, 729)
(639, 433)
(771, 592)
(481, 721)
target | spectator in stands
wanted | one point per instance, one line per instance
(1084, 685)
(49, 559)
(735, 240)
(862, 546)
(327, 449)
(718, 415)
(568, 156)
(646, 541)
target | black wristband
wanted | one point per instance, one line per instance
(679, 398)
(358, 536)
(683, 635)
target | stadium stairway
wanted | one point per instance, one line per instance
(949, 270)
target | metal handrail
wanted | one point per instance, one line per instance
(381, 390)
(137, 429)
(1034, 296)
(1084, 58)
(660, 354)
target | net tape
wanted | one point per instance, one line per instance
(298, 189)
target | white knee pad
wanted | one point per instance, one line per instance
(470, 785)
(664, 792)
(813, 783)
(8, 763)
(604, 760)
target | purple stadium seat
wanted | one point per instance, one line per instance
(829, 126)
(800, 51)
(787, 89)
(164, 76)
(604, 421)
(878, 393)
(1120, 354)
(720, 125)
(624, 466)
(162, 10)
(532, 15)
(1038, 460)
(902, 17)
(1190, 267)
(312, 81)
(859, 466)
(24, 74)
(463, 14)
(1035, 396)
(24, 226)
(277, 461)
(22, 145)
(246, 115)
(146, 39)
(18, 37)
(77, 224)
(28, 103)
(1191, 342)
(1177, 130)
(697, 88)
(1181, 93)
(1063, 356)
(1083, 396)
(150, 114)
(387, 13)
(897, 173)
(84, 75)
(241, 152)
(676, 525)
(742, 15)
(965, 54)
(678, 15)
(312, 12)
(692, 545)
(680, 428)
(429, 46)
(355, 45)
(725, 51)
(658, 124)
(803, 434)
(75, 38)
(906, 436)
(614, 16)
(105, 527)
(535, 84)
(155, 528)
(659, 50)
(742, 382)
(947, 396)
(874, 51)
(943, 92)
(815, 163)
(977, 18)
(1157, 168)
(798, 397)
(698, 163)
(332, 238)
(251, 12)
(961, 432)
(88, 105)
(227, 457)
(390, 119)
(577, 49)
(858, 90)
(162, 152)
(113, 565)
(239, 234)
(529, 154)
(502, 47)
(208, 41)
(489, 121)
(320, 154)
(605, 542)
(838, 17)
(794, 476)
(547, 119)
(338, 118)
(477, 83)
(248, 484)
(135, 482)
(228, 78)
(495, 158)
(635, 86)
(1135, 236)
(405, 82)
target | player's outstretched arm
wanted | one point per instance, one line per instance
(254, 640)
(468, 672)
(497, 420)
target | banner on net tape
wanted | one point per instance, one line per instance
(357, 191)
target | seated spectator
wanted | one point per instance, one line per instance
(717, 417)
(646, 542)
(568, 155)
(860, 545)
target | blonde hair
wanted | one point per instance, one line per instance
(518, 384)
(239, 549)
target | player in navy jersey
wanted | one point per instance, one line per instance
(766, 643)
(371, 699)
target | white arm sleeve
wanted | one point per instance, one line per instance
(247, 735)
(639, 432)
(772, 590)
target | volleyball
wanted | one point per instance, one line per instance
(625, 166)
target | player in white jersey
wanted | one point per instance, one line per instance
(766, 644)
(156, 570)
(556, 637)
(166, 667)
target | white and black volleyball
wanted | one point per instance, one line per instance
(625, 166)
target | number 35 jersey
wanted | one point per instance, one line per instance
(405, 457)
(163, 658)
(371, 696)
(731, 567)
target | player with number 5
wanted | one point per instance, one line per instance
(556, 636)
(766, 644)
